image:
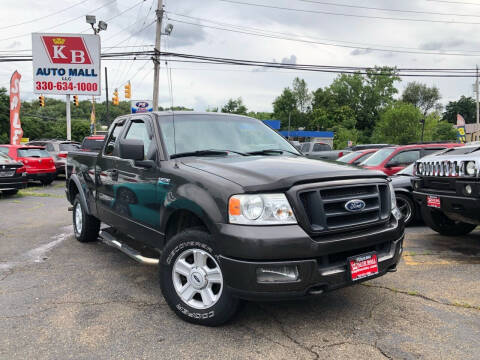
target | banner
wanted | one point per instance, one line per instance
(461, 137)
(16, 132)
(66, 64)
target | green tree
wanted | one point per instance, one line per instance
(422, 97)
(464, 106)
(4, 116)
(398, 124)
(235, 107)
(301, 94)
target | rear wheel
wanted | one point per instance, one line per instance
(406, 207)
(86, 227)
(10, 192)
(47, 181)
(192, 281)
(440, 223)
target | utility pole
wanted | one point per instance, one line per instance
(106, 97)
(476, 90)
(69, 120)
(288, 136)
(156, 58)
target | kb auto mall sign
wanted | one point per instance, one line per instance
(66, 64)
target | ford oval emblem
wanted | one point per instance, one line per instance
(355, 205)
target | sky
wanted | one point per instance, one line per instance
(437, 27)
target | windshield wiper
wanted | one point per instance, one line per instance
(199, 153)
(270, 151)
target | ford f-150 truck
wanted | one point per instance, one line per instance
(447, 187)
(232, 211)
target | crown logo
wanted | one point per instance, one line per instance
(58, 41)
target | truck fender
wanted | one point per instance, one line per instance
(192, 198)
(75, 181)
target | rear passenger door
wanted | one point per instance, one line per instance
(136, 198)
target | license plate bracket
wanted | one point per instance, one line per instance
(433, 201)
(363, 266)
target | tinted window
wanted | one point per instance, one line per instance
(32, 153)
(431, 151)
(378, 157)
(405, 157)
(50, 147)
(110, 147)
(70, 147)
(321, 147)
(138, 131)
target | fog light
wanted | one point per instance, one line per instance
(277, 274)
(468, 190)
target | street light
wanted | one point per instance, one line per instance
(168, 29)
(102, 25)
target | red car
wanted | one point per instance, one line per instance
(391, 160)
(39, 164)
(356, 157)
(92, 143)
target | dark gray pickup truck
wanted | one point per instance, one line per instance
(230, 210)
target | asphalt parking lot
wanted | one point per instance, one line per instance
(60, 299)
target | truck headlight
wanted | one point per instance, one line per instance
(260, 209)
(393, 201)
(470, 168)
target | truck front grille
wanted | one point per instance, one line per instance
(326, 211)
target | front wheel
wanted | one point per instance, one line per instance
(406, 207)
(437, 221)
(192, 282)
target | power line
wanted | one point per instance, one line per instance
(387, 9)
(349, 15)
(60, 24)
(45, 16)
(366, 48)
(455, 2)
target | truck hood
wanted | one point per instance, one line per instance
(258, 173)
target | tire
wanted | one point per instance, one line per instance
(9, 192)
(406, 207)
(46, 181)
(86, 227)
(184, 264)
(437, 221)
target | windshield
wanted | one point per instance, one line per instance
(216, 132)
(408, 170)
(378, 157)
(4, 157)
(349, 157)
(33, 153)
(69, 147)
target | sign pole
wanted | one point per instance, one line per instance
(69, 120)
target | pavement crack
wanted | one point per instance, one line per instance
(288, 336)
(424, 297)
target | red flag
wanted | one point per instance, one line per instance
(16, 132)
(460, 120)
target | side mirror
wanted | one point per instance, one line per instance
(131, 149)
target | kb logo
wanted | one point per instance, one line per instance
(66, 50)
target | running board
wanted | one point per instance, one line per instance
(110, 240)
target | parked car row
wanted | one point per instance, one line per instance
(39, 160)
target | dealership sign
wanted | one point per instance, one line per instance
(16, 131)
(139, 106)
(66, 64)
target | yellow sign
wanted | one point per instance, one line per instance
(24, 140)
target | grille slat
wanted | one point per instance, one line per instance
(326, 211)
